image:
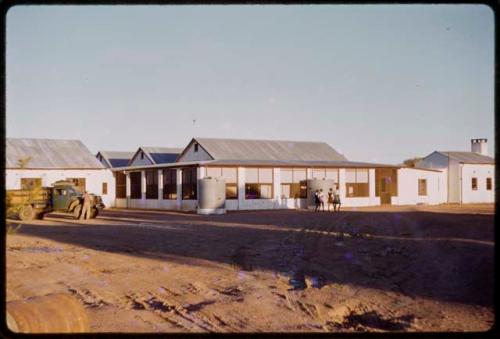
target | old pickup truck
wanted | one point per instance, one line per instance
(61, 197)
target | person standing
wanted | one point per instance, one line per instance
(336, 199)
(316, 201)
(330, 200)
(86, 206)
(321, 197)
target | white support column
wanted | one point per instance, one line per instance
(143, 185)
(371, 186)
(179, 188)
(127, 187)
(277, 187)
(200, 173)
(309, 173)
(241, 187)
(160, 185)
(342, 185)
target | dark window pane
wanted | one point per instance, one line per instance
(121, 185)
(189, 186)
(252, 191)
(135, 185)
(422, 187)
(170, 184)
(231, 191)
(151, 184)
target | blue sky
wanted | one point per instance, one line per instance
(378, 83)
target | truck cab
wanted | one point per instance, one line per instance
(64, 196)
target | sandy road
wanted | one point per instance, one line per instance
(396, 269)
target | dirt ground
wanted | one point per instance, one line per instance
(419, 268)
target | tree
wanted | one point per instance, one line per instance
(412, 161)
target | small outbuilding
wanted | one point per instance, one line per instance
(470, 176)
(41, 162)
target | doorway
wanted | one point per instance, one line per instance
(386, 184)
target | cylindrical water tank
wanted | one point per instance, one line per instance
(52, 313)
(317, 184)
(212, 196)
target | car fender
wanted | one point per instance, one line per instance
(73, 204)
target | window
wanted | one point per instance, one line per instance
(152, 184)
(79, 184)
(326, 173)
(196, 147)
(170, 184)
(230, 176)
(293, 183)
(104, 188)
(474, 184)
(422, 187)
(356, 182)
(189, 183)
(135, 185)
(31, 183)
(259, 183)
(121, 185)
(142, 155)
(488, 184)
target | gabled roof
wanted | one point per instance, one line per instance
(159, 155)
(116, 158)
(469, 157)
(49, 154)
(301, 163)
(268, 150)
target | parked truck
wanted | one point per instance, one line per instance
(27, 204)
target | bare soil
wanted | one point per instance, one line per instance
(419, 268)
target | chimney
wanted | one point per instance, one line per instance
(479, 146)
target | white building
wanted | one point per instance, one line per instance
(41, 162)
(470, 175)
(269, 174)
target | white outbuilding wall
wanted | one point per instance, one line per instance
(94, 179)
(408, 194)
(481, 173)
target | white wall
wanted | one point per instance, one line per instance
(94, 178)
(481, 172)
(454, 186)
(191, 155)
(408, 187)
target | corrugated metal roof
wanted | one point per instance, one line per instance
(169, 165)
(163, 155)
(278, 163)
(50, 153)
(269, 150)
(469, 157)
(309, 164)
(117, 158)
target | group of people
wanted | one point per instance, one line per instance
(333, 199)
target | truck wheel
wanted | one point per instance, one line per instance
(94, 213)
(26, 213)
(77, 211)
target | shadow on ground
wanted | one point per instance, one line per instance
(446, 257)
